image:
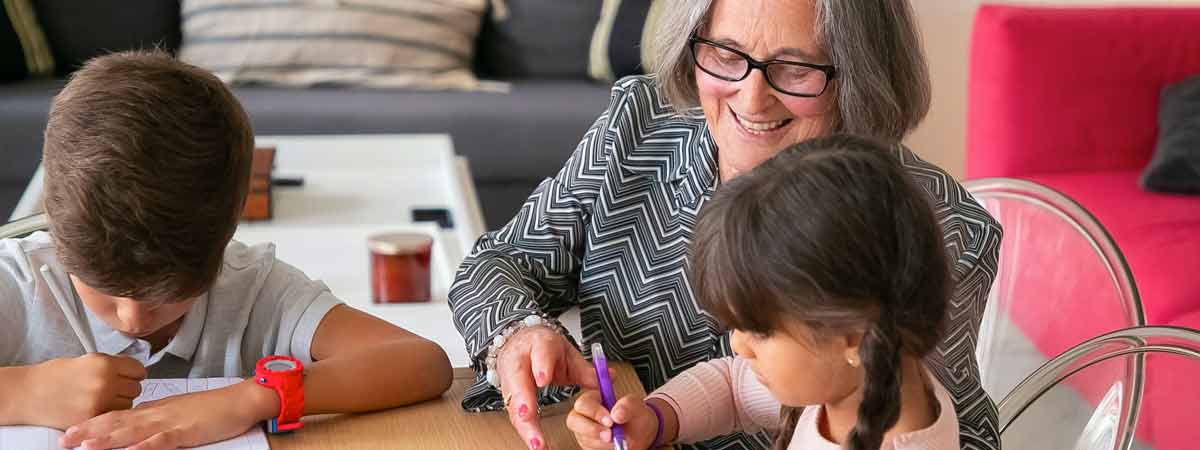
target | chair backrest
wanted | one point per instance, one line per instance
(1033, 109)
(1061, 280)
(1150, 406)
(24, 226)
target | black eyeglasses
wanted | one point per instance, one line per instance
(789, 77)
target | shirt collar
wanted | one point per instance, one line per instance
(695, 177)
(943, 434)
(187, 338)
(183, 344)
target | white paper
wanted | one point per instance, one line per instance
(38, 438)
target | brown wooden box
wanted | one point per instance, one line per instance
(258, 197)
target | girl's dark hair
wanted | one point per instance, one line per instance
(832, 233)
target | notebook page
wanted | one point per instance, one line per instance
(38, 438)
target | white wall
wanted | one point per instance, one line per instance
(946, 29)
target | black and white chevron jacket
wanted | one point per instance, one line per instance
(609, 234)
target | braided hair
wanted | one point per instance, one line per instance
(835, 234)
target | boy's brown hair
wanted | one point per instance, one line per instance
(147, 163)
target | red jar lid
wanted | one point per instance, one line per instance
(399, 243)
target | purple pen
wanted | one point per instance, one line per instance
(607, 396)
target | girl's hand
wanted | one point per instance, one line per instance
(592, 423)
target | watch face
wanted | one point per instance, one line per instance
(280, 365)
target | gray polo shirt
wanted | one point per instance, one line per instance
(259, 306)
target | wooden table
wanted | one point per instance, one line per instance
(438, 424)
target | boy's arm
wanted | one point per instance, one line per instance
(364, 363)
(12, 331)
(13, 382)
(59, 392)
(65, 391)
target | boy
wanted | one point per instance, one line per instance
(147, 162)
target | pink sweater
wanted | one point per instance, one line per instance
(723, 396)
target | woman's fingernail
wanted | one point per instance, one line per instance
(522, 411)
(541, 378)
(535, 444)
(606, 421)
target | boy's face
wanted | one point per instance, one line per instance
(129, 316)
(800, 369)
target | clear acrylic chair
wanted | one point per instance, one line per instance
(24, 226)
(1061, 280)
(1086, 399)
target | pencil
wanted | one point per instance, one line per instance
(69, 311)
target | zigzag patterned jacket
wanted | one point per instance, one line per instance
(609, 234)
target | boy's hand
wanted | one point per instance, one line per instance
(592, 423)
(71, 390)
(187, 420)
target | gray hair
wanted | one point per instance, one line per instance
(882, 86)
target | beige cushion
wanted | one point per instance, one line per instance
(379, 43)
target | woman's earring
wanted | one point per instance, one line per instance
(851, 362)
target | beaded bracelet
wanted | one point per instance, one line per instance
(658, 435)
(532, 320)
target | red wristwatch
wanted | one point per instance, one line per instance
(285, 375)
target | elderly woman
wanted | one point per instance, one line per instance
(733, 82)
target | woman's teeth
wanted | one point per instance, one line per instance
(761, 126)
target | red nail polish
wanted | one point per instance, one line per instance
(541, 377)
(535, 444)
(522, 411)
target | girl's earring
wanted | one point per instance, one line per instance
(851, 362)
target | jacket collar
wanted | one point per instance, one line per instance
(677, 151)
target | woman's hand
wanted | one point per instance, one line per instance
(535, 357)
(592, 423)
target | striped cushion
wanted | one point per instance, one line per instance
(379, 43)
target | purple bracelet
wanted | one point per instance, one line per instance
(657, 434)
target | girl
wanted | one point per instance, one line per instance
(828, 265)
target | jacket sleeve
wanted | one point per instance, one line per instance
(532, 264)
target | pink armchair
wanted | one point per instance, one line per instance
(1068, 97)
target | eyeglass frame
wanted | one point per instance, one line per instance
(830, 71)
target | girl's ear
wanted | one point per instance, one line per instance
(851, 342)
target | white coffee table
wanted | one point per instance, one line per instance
(358, 185)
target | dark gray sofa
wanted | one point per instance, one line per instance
(513, 140)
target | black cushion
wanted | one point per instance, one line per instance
(79, 30)
(553, 39)
(625, 41)
(12, 56)
(538, 39)
(1175, 166)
